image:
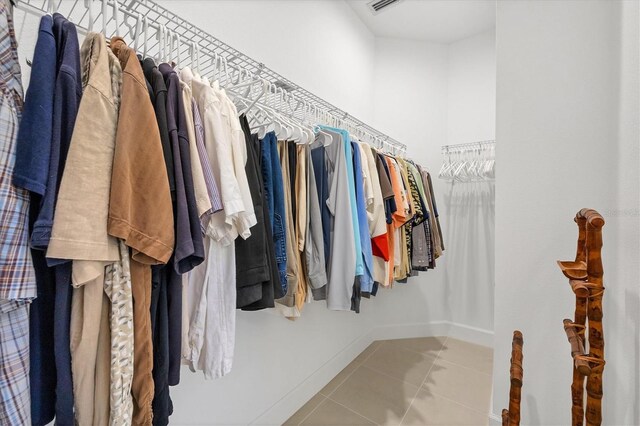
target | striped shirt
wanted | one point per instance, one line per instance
(212, 185)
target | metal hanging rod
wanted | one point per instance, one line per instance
(146, 19)
(479, 145)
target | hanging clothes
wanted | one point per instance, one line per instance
(200, 191)
(189, 250)
(156, 213)
(32, 154)
(319, 160)
(55, 274)
(158, 93)
(342, 258)
(246, 218)
(314, 245)
(261, 294)
(17, 276)
(80, 225)
(212, 285)
(274, 195)
(375, 217)
(140, 192)
(287, 304)
(366, 282)
(252, 261)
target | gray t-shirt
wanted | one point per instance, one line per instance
(342, 259)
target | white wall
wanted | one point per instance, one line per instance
(398, 86)
(410, 95)
(471, 106)
(432, 94)
(567, 130)
(470, 207)
(319, 44)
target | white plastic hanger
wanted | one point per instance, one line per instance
(116, 16)
(161, 42)
(87, 5)
(51, 7)
(198, 57)
(178, 47)
(194, 59)
(225, 66)
(265, 87)
(104, 17)
(168, 46)
(145, 31)
(137, 33)
(214, 64)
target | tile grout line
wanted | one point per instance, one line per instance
(467, 367)
(382, 373)
(355, 412)
(362, 364)
(314, 409)
(349, 375)
(435, 358)
(345, 379)
(461, 404)
(423, 381)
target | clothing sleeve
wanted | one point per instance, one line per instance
(366, 176)
(375, 210)
(33, 146)
(333, 183)
(301, 195)
(399, 216)
(140, 210)
(221, 227)
(80, 221)
(314, 243)
(385, 182)
(247, 218)
(203, 202)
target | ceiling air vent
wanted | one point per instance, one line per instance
(377, 5)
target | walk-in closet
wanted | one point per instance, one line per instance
(319, 212)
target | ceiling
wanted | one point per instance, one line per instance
(442, 21)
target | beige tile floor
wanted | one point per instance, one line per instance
(425, 381)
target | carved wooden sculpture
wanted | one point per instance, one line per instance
(511, 417)
(585, 278)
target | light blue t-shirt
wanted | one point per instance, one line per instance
(367, 254)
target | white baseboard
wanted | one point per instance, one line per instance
(476, 335)
(406, 331)
(297, 397)
(495, 420)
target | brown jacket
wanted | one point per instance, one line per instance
(140, 212)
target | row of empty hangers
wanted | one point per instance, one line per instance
(470, 162)
(247, 89)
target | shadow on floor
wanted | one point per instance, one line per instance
(420, 381)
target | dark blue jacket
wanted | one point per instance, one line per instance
(51, 311)
(31, 170)
(68, 91)
(33, 147)
(322, 184)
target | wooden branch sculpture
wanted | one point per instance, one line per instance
(511, 417)
(585, 278)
